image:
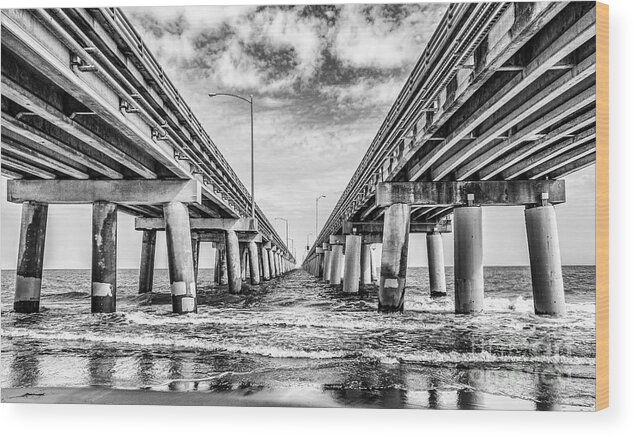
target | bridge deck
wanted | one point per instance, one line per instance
(83, 98)
(503, 91)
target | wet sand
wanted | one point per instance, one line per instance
(110, 396)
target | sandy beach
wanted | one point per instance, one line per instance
(110, 396)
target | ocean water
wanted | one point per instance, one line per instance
(296, 335)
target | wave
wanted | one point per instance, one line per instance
(425, 357)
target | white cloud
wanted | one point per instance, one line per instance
(368, 38)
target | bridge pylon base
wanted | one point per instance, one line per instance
(103, 296)
(468, 260)
(436, 264)
(180, 258)
(28, 281)
(394, 257)
(545, 258)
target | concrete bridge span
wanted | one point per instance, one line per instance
(89, 116)
(498, 110)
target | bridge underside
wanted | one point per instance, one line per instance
(500, 107)
(89, 116)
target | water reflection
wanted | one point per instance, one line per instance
(25, 366)
(145, 370)
(368, 384)
(101, 364)
(470, 396)
(548, 389)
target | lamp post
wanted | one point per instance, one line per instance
(317, 215)
(250, 102)
(282, 218)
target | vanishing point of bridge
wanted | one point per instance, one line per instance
(89, 116)
(499, 108)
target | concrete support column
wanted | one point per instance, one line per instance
(146, 272)
(394, 257)
(366, 267)
(103, 296)
(375, 250)
(258, 250)
(326, 268)
(336, 264)
(28, 280)
(543, 249)
(468, 260)
(180, 258)
(233, 261)
(271, 255)
(319, 264)
(436, 264)
(254, 263)
(221, 265)
(243, 261)
(353, 264)
(266, 270)
(195, 253)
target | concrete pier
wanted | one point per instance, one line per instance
(266, 270)
(28, 281)
(394, 257)
(220, 275)
(543, 249)
(146, 271)
(195, 253)
(180, 258)
(326, 269)
(468, 260)
(436, 264)
(375, 249)
(353, 264)
(103, 296)
(244, 260)
(254, 264)
(336, 264)
(366, 264)
(271, 255)
(233, 261)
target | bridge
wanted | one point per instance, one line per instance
(498, 110)
(89, 116)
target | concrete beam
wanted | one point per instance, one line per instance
(137, 192)
(488, 193)
(415, 227)
(337, 239)
(201, 224)
(218, 237)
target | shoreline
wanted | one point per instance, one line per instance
(113, 396)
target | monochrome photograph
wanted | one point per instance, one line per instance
(385, 206)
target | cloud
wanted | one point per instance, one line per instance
(384, 36)
(287, 50)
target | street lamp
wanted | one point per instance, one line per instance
(250, 102)
(317, 215)
(282, 218)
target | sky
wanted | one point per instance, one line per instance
(323, 79)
